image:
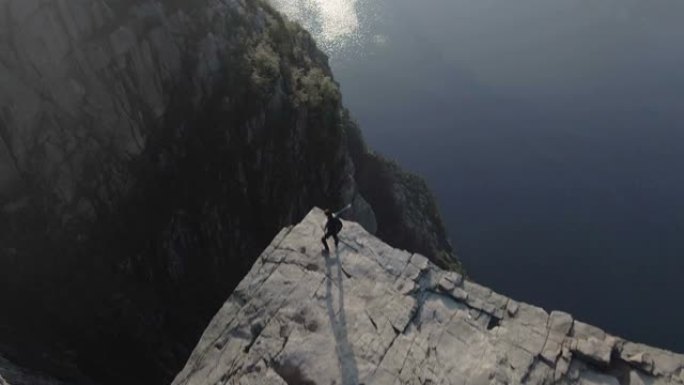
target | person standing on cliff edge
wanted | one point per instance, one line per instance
(333, 227)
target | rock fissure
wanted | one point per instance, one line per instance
(375, 326)
(386, 350)
(346, 273)
(256, 330)
(406, 356)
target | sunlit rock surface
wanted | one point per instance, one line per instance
(371, 314)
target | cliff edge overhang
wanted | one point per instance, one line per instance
(371, 314)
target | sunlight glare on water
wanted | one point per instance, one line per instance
(335, 24)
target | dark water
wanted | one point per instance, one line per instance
(552, 133)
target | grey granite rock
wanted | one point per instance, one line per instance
(371, 314)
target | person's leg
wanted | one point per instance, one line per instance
(325, 244)
(337, 240)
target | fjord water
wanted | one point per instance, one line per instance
(552, 133)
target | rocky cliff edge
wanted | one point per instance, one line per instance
(371, 314)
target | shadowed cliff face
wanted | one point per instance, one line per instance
(150, 150)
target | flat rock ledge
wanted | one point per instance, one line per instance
(371, 314)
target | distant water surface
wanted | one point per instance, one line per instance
(552, 133)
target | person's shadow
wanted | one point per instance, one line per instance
(338, 322)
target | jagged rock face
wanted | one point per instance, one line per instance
(371, 314)
(405, 207)
(149, 150)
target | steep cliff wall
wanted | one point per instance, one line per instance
(149, 151)
(371, 314)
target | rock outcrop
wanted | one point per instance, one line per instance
(149, 150)
(372, 314)
(405, 207)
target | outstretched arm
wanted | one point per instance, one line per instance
(345, 208)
